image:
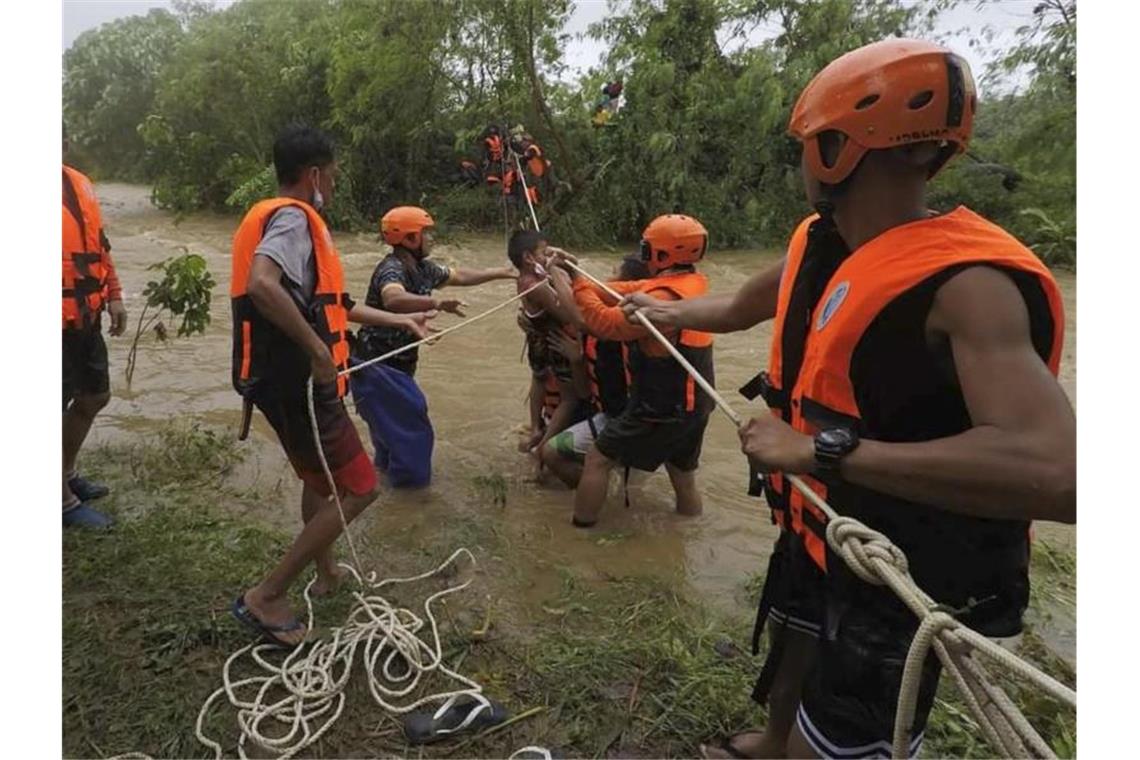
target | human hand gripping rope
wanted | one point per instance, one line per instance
(875, 560)
(304, 695)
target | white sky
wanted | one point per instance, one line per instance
(1004, 16)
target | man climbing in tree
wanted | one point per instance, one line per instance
(912, 379)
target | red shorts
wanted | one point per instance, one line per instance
(287, 410)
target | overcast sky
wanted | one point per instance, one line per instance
(1004, 16)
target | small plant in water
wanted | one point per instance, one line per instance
(184, 291)
(491, 487)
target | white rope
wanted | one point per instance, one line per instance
(876, 560)
(303, 695)
(436, 336)
(526, 192)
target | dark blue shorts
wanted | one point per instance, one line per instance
(396, 411)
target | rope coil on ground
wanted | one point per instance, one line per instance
(303, 695)
(875, 559)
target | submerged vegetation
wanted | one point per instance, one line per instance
(189, 101)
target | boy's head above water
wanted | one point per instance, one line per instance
(526, 249)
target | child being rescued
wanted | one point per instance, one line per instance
(666, 414)
(544, 314)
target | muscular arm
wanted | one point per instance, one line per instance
(274, 303)
(468, 277)
(754, 303)
(1019, 459)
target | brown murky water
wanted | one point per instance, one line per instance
(476, 383)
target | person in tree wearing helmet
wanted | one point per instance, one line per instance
(290, 326)
(665, 417)
(912, 381)
(386, 393)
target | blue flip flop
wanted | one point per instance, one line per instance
(83, 516)
(267, 632)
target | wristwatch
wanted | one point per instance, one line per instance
(831, 445)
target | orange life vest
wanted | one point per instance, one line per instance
(868, 281)
(85, 252)
(661, 388)
(259, 347)
(493, 144)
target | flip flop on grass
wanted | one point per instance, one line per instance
(423, 727)
(245, 616)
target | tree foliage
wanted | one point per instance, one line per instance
(192, 101)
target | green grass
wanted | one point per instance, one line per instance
(617, 667)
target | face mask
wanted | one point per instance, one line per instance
(318, 200)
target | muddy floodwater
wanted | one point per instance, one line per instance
(476, 381)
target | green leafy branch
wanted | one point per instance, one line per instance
(184, 291)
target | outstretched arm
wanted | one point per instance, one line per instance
(415, 322)
(1018, 461)
(468, 277)
(607, 321)
(754, 303)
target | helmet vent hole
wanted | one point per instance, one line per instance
(831, 143)
(921, 99)
(867, 102)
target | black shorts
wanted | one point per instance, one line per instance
(646, 445)
(792, 600)
(851, 693)
(85, 368)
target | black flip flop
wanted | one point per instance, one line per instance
(422, 727)
(268, 632)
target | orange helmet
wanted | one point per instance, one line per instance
(883, 95)
(404, 226)
(673, 239)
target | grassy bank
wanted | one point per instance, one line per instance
(617, 667)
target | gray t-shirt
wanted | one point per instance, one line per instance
(288, 243)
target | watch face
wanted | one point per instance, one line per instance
(836, 437)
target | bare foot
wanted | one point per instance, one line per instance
(744, 744)
(532, 439)
(277, 614)
(328, 582)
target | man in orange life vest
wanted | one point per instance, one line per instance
(912, 379)
(664, 420)
(89, 285)
(290, 322)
